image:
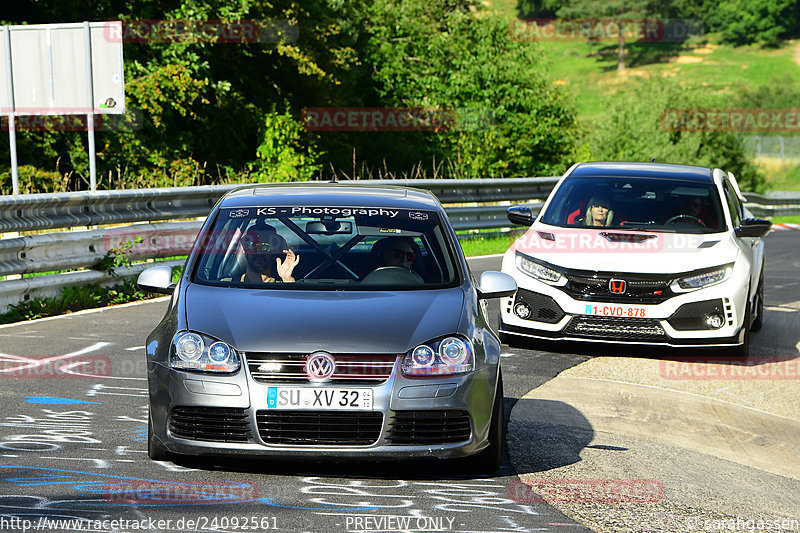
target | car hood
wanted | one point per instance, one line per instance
(627, 251)
(304, 321)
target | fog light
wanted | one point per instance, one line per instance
(714, 321)
(522, 310)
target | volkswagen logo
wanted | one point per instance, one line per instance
(617, 286)
(320, 366)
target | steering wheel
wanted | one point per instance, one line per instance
(394, 275)
(677, 218)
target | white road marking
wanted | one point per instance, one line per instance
(68, 370)
(135, 348)
(27, 362)
(133, 391)
(99, 463)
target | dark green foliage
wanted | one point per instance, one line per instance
(72, 299)
(754, 21)
(230, 112)
(527, 9)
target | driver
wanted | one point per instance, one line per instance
(262, 249)
(690, 206)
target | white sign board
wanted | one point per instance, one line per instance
(56, 68)
(61, 69)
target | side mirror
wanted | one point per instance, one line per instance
(496, 285)
(156, 279)
(520, 215)
(753, 227)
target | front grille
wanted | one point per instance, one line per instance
(215, 424)
(429, 427)
(615, 328)
(301, 427)
(543, 308)
(351, 369)
(638, 290)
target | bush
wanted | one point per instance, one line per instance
(32, 180)
(632, 130)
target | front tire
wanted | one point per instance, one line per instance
(759, 306)
(488, 460)
(743, 350)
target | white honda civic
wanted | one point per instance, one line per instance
(638, 253)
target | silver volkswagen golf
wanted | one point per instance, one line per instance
(326, 320)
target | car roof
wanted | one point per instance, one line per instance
(327, 193)
(643, 170)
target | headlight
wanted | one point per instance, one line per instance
(704, 279)
(539, 271)
(193, 351)
(452, 355)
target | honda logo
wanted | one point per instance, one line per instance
(617, 286)
(320, 366)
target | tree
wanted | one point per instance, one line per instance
(634, 129)
(510, 119)
(620, 11)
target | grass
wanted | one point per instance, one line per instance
(487, 245)
(783, 175)
(787, 220)
(588, 70)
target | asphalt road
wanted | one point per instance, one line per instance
(73, 446)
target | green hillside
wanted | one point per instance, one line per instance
(589, 70)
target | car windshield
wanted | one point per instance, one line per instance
(664, 204)
(319, 247)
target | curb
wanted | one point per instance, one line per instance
(783, 227)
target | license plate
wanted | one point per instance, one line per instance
(334, 399)
(626, 311)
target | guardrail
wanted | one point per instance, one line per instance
(149, 213)
(67, 250)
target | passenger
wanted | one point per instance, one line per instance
(598, 212)
(262, 249)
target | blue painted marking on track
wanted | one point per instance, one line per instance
(54, 400)
(141, 434)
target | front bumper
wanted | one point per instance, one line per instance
(553, 314)
(444, 417)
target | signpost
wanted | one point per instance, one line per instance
(61, 69)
